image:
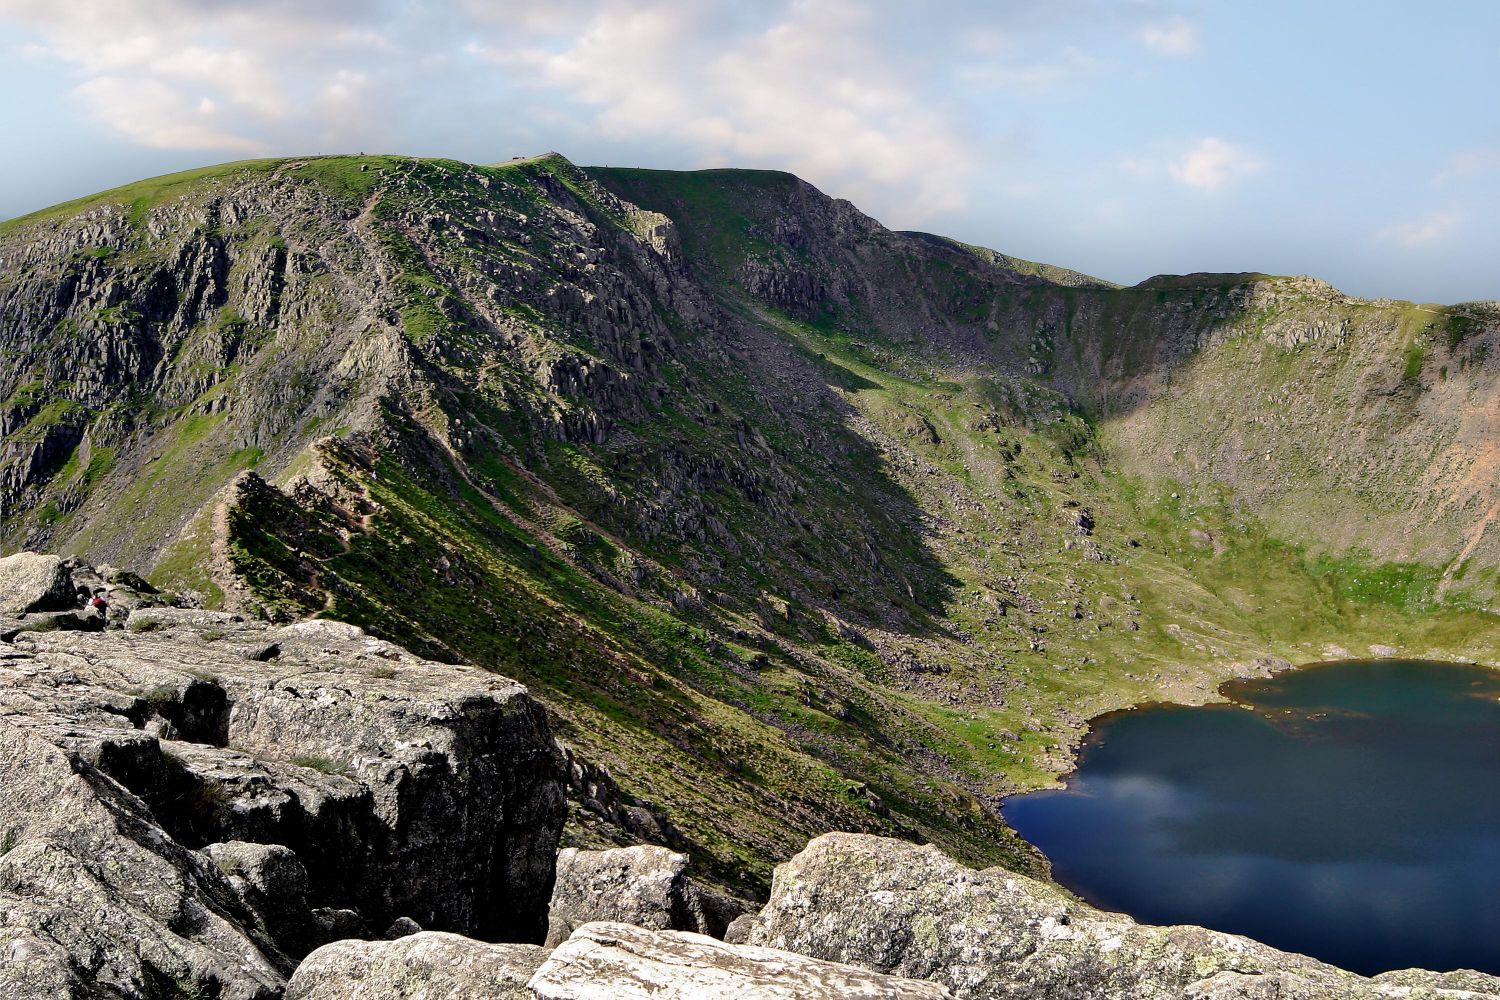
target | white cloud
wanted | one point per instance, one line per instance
(1469, 163)
(824, 88)
(153, 114)
(1422, 232)
(1211, 163)
(891, 105)
(812, 91)
(185, 74)
(1176, 36)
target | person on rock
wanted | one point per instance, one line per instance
(99, 605)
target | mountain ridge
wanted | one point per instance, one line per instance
(793, 522)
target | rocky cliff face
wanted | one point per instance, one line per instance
(197, 799)
(793, 522)
(1311, 406)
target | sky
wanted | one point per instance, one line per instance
(1355, 140)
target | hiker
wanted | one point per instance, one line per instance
(98, 604)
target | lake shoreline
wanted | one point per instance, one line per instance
(1261, 668)
(1296, 807)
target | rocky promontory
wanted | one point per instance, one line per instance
(198, 798)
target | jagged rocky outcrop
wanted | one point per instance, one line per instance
(200, 799)
(97, 901)
(910, 910)
(46, 593)
(645, 886)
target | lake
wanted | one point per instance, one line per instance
(1348, 811)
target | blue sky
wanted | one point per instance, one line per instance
(1357, 141)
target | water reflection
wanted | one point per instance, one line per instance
(1353, 814)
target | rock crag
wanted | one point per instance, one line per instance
(199, 798)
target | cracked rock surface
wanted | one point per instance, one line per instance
(196, 800)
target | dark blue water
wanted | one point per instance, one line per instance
(1352, 814)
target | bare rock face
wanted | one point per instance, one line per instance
(426, 966)
(610, 961)
(407, 788)
(645, 886)
(272, 884)
(912, 911)
(96, 901)
(194, 801)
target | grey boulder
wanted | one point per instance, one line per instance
(645, 885)
(31, 581)
(431, 965)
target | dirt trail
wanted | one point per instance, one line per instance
(1474, 538)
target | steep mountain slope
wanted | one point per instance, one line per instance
(795, 523)
(1377, 415)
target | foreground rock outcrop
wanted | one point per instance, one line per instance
(858, 916)
(194, 801)
(906, 910)
(601, 961)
